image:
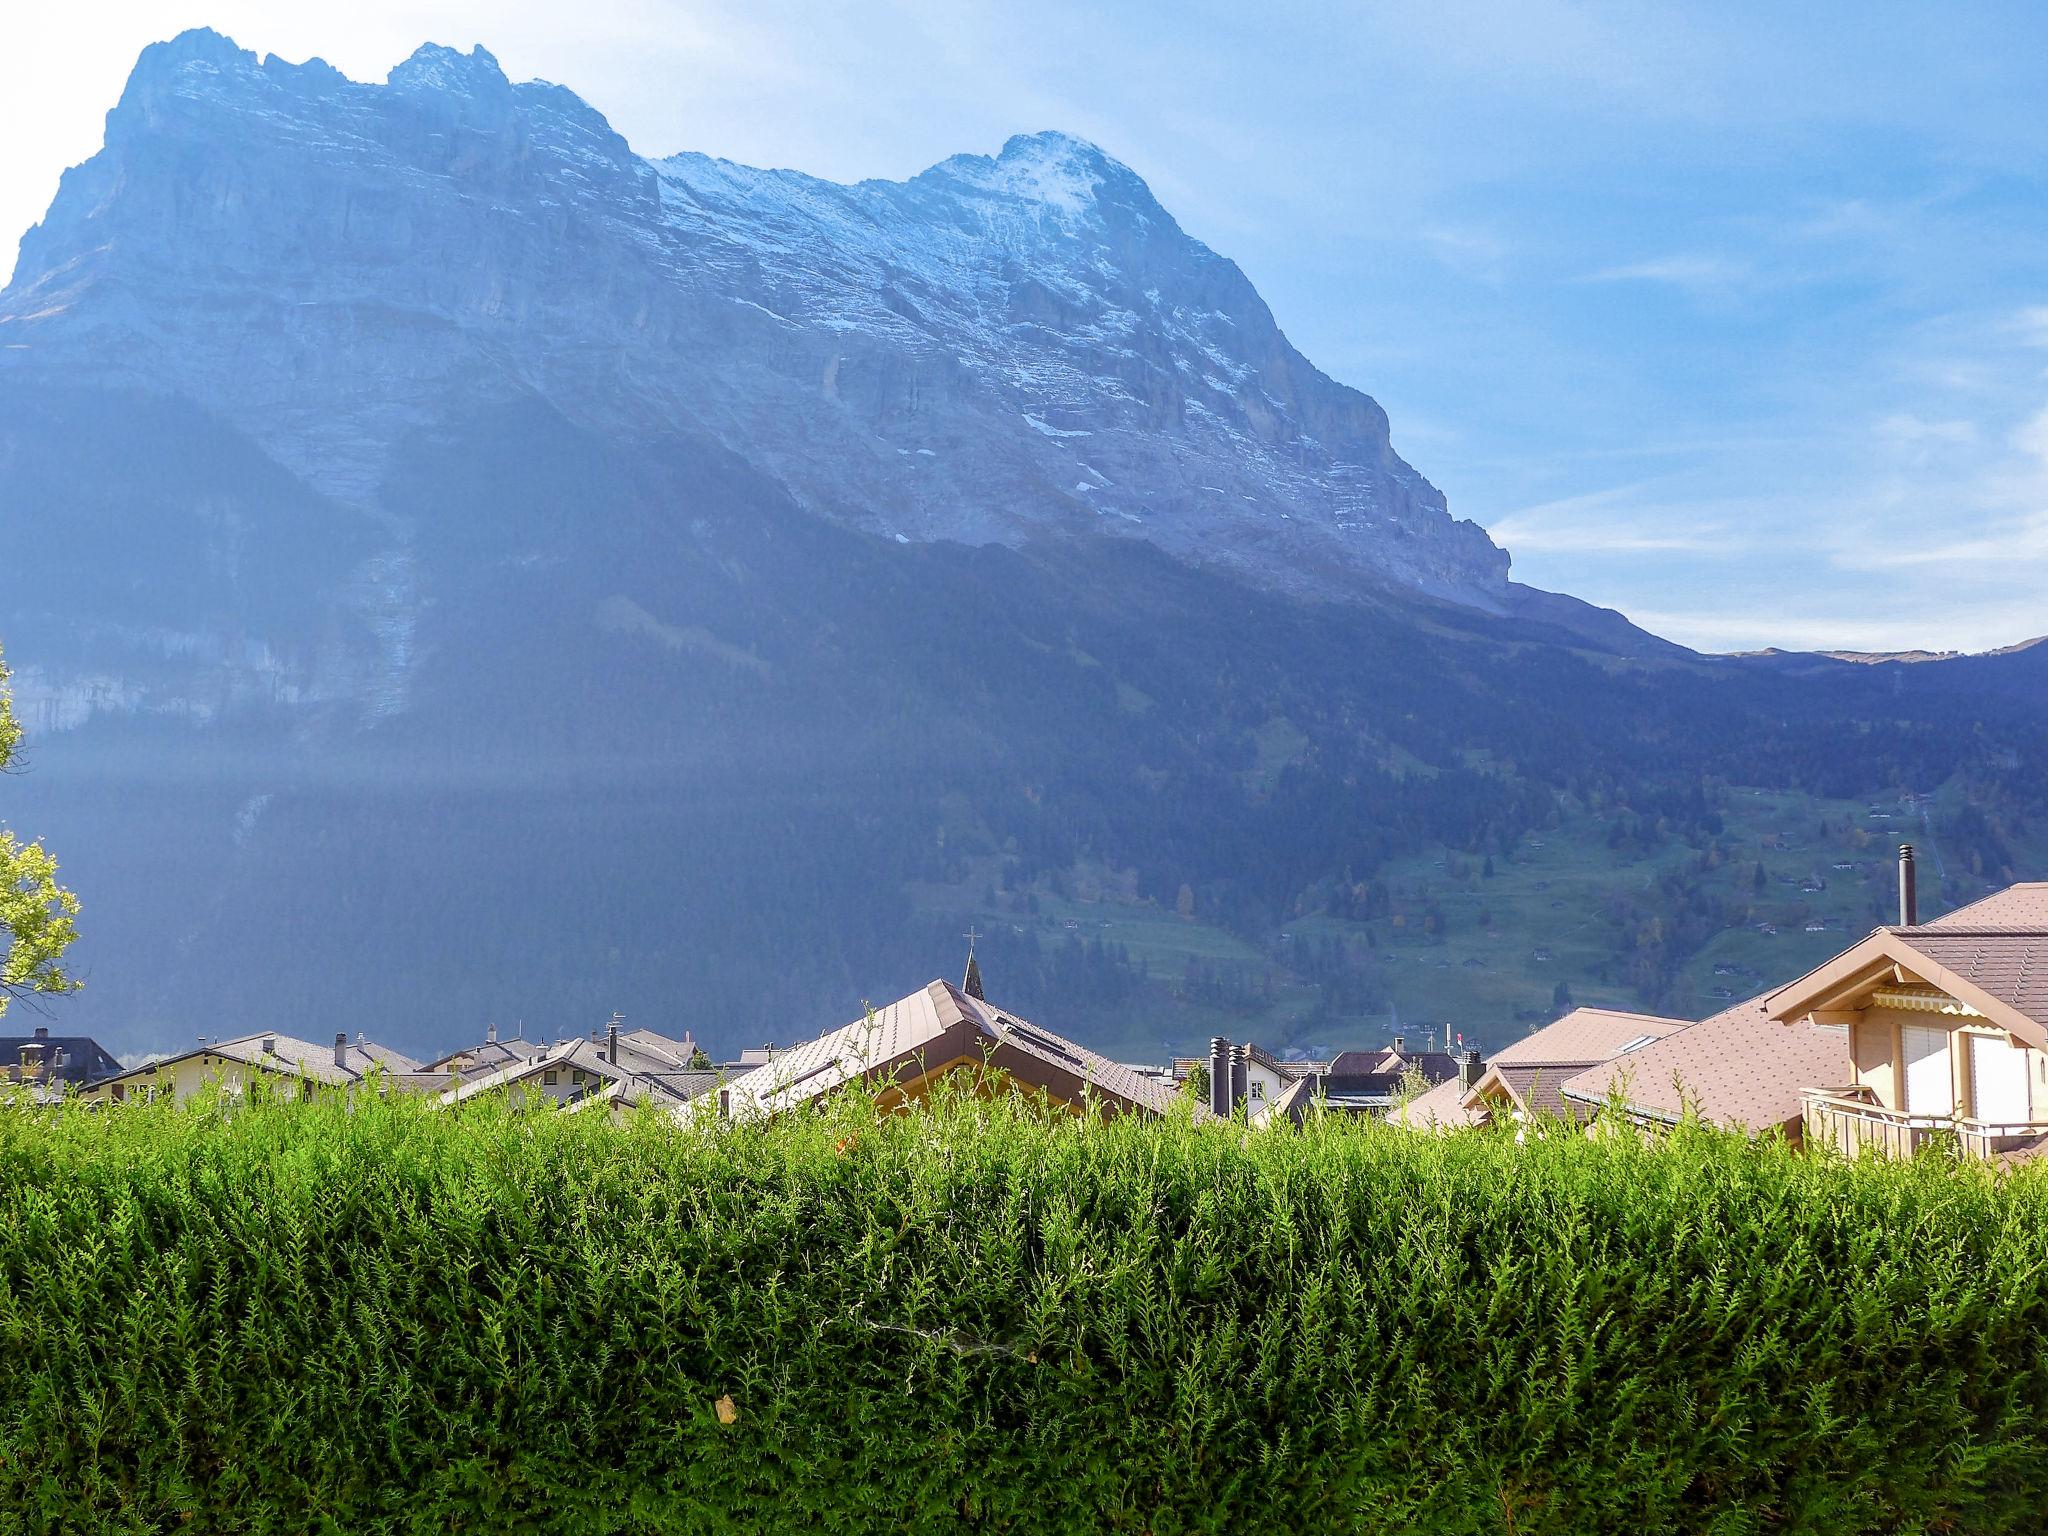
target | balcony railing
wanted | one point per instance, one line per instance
(1849, 1118)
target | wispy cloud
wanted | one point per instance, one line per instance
(1693, 272)
(1626, 519)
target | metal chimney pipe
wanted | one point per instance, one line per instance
(1909, 888)
(490, 1034)
(1219, 1075)
(1240, 1076)
(611, 1043)
(341, 1050)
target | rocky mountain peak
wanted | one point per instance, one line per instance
(1002, 348)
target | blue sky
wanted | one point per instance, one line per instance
(1734, 318)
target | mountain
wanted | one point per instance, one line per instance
(460, 569)
(993, 349)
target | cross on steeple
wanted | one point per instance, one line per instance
(971, 982)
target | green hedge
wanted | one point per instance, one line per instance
(386, 1317)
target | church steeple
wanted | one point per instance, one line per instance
(971, 982)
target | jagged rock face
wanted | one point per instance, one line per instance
(996, 349)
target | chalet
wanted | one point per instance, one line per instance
(1936, 1029)
(234, 1063)
(1525, 1081)
(938, 1032)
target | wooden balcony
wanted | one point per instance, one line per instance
(1851, 1119)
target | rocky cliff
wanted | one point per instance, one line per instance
(997, 348)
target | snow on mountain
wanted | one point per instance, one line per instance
(999, 348)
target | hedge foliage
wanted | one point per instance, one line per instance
(385, 1317)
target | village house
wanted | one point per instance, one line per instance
(1936, 1029)
(1526, 1080)
(1266, 1075)
(617, 1065)
(937, 1033)
(486, 1056)
(234, 1063)
(1736, 1069)
(1365, 1082)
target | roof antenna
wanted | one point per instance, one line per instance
(971, 982)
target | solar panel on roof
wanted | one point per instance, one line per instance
(1043, 1042)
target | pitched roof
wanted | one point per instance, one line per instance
(1443, 1107)
(1434, 1065)
(85, 1059)
(1740, 1068)
(1535, 1086)
(1991, 955)
(289, 1056)
(931, 1028)
(2017, 906)
(487, 1055)
(588, 1055)
(1588, 1036)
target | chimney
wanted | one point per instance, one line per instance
(1399, 1041)
(42, 1031)
(490, 1034)
(1219, 1075)
(1909, 888)
(1240, 1076)
(270, 1045)
(611, 1041)
(1468, 1069)
(341, 1050)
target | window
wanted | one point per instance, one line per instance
(119, 1092)
(1929, 1089)
(1258, 1090)
(551, 1077)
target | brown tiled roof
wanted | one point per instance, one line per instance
(1739, 1068)
(1434, 1065)
(927, 1029)
(1535, 1086)
(1587, 1036)
(2017, 906)
(2008, 964)
(1443, 1106)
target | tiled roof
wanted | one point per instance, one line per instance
(1587, 1036)
(290, 1056)
(2008, 964)
(1442, 1106)
(1535, 1086)
(931, 1026)
(2017, 906)
(1434, 1065)
(1739, 1067)
(488, 1055)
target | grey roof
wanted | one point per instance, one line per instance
(289, 1056)
(487, 1055)
(84, 1058)
(932, 1028)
